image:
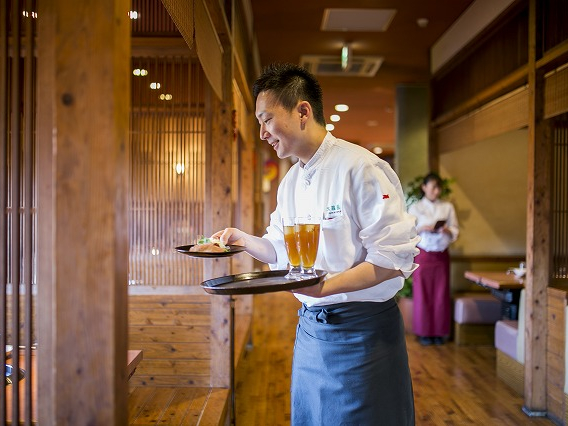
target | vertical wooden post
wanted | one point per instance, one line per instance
(538, 230)
(219, 216)
(83, 107)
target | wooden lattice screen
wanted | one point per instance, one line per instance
(560, 199)
(167, 176)
(18, 204)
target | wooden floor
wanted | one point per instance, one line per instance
(453, 385)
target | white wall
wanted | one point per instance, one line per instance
(490, 194)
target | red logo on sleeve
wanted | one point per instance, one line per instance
(385, 196)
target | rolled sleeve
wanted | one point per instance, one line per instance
(388, 232)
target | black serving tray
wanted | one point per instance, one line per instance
(233, 250)
(258, 282)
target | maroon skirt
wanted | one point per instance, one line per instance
(431, 294)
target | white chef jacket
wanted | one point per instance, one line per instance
(427, 214)
(364, 216)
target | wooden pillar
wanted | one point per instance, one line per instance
(412, 148)
(538, 230)
(83, 108)
(219, 205)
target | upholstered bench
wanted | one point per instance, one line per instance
(510, 348)
(475, 316)
(509, 366)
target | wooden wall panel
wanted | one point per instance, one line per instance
(510, 112)
(555, 352)
(174, 334)
(556, 92)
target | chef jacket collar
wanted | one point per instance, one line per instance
(317, 158)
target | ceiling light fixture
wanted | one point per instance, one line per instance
(329, 127)
(335, 118)
(346, 56)
(140, 72)
(422, 22)
(341, 107)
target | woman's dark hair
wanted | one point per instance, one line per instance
(291, 84)
(432, 176)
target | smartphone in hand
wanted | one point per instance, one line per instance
(439, 224)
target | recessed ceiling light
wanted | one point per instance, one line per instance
(335, 117)
(341, 107)
(377, 150)
(422, 22)
(329, 127)
(155, 86)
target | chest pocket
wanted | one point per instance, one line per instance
(338, 241)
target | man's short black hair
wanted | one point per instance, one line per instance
(291, 84)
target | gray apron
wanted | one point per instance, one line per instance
(350, 366)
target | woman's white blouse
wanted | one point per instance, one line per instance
(360, 200)
(427, 214)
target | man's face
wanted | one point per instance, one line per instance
(279, 127)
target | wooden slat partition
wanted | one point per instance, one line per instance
(559, 208)
(167, 171)
(17, 200)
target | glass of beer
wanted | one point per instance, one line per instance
(288, 224)
(307, 230)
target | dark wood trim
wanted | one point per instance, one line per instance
(480, 259)
(512, 81)
(553, 58)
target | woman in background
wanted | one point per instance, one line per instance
(437, 225)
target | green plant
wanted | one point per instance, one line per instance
(413, 191)
(406, 290)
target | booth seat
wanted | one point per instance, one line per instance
(475, 315)
(510, 346)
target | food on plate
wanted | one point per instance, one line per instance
(210, 245)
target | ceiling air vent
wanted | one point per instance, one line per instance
(359, 66)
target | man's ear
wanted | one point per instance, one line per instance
(304, 108)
